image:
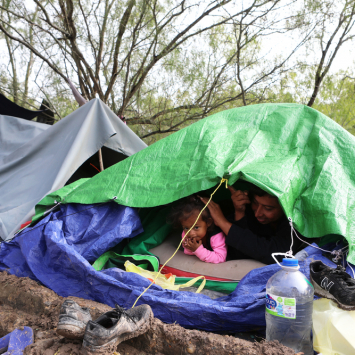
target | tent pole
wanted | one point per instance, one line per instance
(100, 160)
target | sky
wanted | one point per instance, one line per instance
(276, 44)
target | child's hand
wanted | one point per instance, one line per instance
(192, 244)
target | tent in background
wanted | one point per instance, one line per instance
(37, 159)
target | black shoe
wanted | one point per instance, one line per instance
(334, 284)
(116, 326)
(72, 320)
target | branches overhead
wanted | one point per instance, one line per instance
(163, 64)
(341, 33)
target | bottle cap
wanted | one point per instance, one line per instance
(289, 262)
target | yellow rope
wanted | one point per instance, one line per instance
(222, 181)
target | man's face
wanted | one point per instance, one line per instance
(266, 209)
(200, 228)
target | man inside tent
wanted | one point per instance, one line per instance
(257, 228)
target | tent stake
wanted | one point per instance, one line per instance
(100, 160)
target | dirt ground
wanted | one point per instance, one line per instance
(23, 302)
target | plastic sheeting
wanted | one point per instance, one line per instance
(333, 328)
(36, 159)
(57, 251)
(292, 151)
(15, 342)
(9, 108)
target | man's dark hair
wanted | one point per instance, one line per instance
(257, 191)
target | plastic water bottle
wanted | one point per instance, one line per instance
(289, 306)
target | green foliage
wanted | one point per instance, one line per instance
(165, 78)
(337, 100)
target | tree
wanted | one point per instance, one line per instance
(162, 64)
(17, 58)
(336, 21)
(337, 99)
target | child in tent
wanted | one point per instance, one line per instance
(205, 240)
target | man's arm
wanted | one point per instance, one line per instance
(239, 198)
(258, 247)
(217, 215)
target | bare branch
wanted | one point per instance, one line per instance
(122, 29)
(47, 19)
(31, 48)
(322, 70)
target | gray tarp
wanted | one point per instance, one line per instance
(36, 159)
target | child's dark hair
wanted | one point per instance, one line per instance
(185, 208)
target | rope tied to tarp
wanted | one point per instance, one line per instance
(338, 254)
(159, 272)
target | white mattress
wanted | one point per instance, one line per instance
(231, 270)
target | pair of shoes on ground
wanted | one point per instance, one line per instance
(335, 284)
(107, 331)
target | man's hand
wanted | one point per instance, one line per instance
(215, 211)
(192, 244)
(239, 199)
(217, 215)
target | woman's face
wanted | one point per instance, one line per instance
(200, 228)
(266, 209)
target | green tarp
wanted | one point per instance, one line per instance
(292, 151)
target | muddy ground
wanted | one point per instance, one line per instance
(23, 302)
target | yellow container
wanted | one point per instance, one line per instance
(333, 329)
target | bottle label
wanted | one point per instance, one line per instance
(283, 307)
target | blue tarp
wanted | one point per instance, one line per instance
(15, 342)
(57, 252)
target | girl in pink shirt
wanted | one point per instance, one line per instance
(204, 240)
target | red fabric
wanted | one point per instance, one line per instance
(180, 273)
(25, 224)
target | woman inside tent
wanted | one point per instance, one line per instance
(257, 228)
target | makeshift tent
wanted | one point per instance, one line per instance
(292, 151)
(36, 159)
